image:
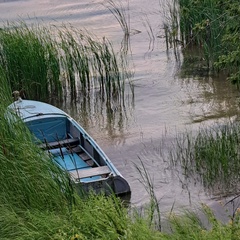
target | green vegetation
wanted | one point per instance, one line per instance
(213, 27)
(211, 157)
(191, 227)
(46, 61)
(37, 201)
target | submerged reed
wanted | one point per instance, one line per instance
(120, 13)
(154, 213)
(210, 157)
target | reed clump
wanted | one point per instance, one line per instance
(44, 61)
(211, 157)
(202, 24)
(211, 26)
(30, 61)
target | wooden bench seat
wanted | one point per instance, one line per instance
(62, 143)
(90, 172)
(84, 156)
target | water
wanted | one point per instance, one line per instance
(167, 97)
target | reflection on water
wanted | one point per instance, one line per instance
(4, 1)
(215, 99)
(97, 113)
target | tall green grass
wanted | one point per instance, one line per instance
(27, 176)
(44, 61)
(202, 23)
(30, 60)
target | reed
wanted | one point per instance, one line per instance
(30, 60)
(208, 26)
(198, 23)
(44, 61)
(170, 12)
(203, 225)
(153, 210)
(120, 12)
(210, 157)
(229, 59)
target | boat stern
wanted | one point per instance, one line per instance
(112, 185)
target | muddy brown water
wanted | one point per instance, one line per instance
(167, 98)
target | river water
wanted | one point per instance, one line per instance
(170, 95)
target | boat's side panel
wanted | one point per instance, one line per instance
(121, 186)
(106, 187)
(116, 185)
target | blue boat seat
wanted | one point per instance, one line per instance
(71, 161)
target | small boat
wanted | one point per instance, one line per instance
(71, 147)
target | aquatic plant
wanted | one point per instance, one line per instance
(46, 62)
(120, 12)
(169, 10)
(203, 225)
(153, 208)
(210, 26)
(30, 61)
(228, 60)
(211, 157)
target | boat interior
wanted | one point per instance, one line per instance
(71, 148)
